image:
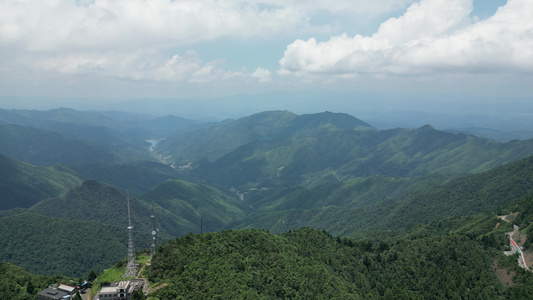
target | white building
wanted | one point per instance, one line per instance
(122, 290)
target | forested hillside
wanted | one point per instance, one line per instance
(272, 149)
(88, 224)
(93, 201)
(23, 185)
(382, 203)
(192, 201)
(344, 154)
(17, 283)
(43, 147)
(136, 177)
(97, 126)
(51, 246)
(307, 263)
(79, 138)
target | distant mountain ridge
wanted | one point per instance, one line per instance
(73, 137)
(23, 185)
(111, 123)
(45, 147)
(215, 141)
(258, 151)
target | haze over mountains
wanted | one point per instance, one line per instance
(496, 118)
(68, 173)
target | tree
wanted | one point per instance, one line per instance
(138, 295)
(77, 296)
(92, 276)
(30, 288)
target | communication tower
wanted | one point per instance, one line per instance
(131, 268)
(154, 232)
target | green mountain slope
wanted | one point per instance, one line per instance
(68, 136)
(23, 185)
(214, 141)
(97, 126)
(96, 202)
(43, 147)
(177, 205)
(310, 264)
(17, 283)
(353, 206)
(85, 228)
(137, 177)
(51, 246)
(348, 153)
(191, 201)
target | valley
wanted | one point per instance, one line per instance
(273, 199)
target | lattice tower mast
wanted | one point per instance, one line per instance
(154, 233)
(131, 268)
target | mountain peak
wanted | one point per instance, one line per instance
(339, 120)
(427, 127)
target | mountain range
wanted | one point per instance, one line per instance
(67, 173)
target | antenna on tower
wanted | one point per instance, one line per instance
(152, 251)
(131, 268)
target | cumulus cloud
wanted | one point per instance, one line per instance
(70, 24)
(262, 74)
(431, 36)
(135, 39)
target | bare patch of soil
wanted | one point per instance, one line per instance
(510, 217)
(505, 276)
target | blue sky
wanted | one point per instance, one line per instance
(435, 51)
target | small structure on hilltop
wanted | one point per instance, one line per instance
(122, 290)
(57, 292)
(70, 289)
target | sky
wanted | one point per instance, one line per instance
(424, 53)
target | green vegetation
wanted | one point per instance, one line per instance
(85, 229)
(273, 149)
(22, 185)
(55, 246)
(188, 201)
(94, 201)
(17, 283)
(177, 205)
(381, 203)
(307, 263)
(113, 274)
(135, 178)
(116, 272)
(43, 147)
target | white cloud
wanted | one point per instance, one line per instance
(262, 74)
(431, 36)
(134, 38)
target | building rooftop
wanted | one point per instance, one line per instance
(108, 290)
(51, 293)
(67, 288)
